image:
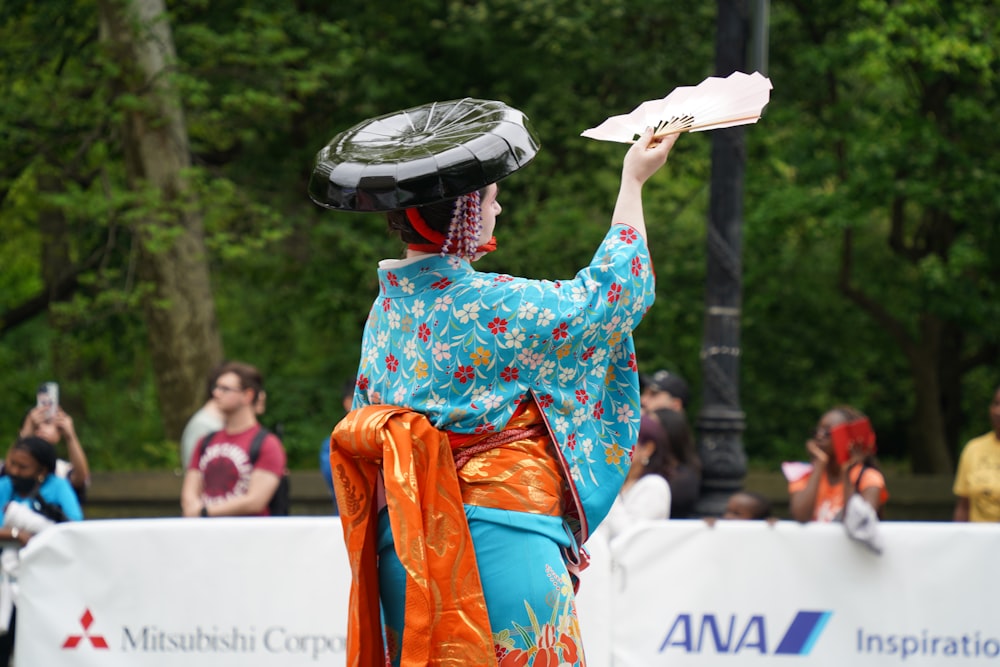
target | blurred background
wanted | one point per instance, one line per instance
(154, 217)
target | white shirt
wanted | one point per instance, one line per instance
(202, 423)
(647, 499)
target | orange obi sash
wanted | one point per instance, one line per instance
(521, 474)
(447, 623)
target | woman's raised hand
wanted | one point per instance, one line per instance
(647, 155)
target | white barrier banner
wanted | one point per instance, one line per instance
(254, 592)
(684, 593)
(246, 591)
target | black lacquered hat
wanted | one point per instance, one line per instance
(422, 155)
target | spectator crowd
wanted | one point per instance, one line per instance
(233, 466)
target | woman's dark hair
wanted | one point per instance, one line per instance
(44, 452)
(679, 437)
(660, 461)
(39, 449)
(437, 216)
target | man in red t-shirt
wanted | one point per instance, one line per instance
(221, 480)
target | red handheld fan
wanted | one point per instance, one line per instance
(855, 434)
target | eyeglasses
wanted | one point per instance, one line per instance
(224, 389)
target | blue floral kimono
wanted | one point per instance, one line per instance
(466, 349)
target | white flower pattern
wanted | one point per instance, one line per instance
(484, 342)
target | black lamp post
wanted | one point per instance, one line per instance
(721, 421)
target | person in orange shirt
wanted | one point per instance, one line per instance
(819, 492)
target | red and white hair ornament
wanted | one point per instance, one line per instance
(464, 229)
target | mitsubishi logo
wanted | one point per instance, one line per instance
(97, 641)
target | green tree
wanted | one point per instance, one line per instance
(870, 249)
(179, 308)
(884, 152)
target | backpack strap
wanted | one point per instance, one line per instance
(857, 483)
(204, 444)
(256, 444)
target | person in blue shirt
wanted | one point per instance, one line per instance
(30, 480)
(346, 399)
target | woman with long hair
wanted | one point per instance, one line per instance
(683, 465)
(645, 494)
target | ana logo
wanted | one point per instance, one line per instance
(97, 641)
(692, 636)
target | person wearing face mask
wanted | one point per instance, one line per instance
(31, 481)
(29, 484)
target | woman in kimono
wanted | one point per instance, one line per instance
(493, 423)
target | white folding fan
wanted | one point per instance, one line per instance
(716, 102)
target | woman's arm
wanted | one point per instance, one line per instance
(14, 534)
(191, 493)
(873, 496)
(79, 474)
(802, 504)
(961, 488)
(643, 160)
(31, 421)
(869, 481)
(961, 509)
(263, 484)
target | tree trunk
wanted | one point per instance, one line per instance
(933, 379)
(929, 450)
(180, 309)
(950, 374)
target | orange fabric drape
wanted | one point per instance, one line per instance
(522, 475)
(447, 624)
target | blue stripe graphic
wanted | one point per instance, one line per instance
(803, 633)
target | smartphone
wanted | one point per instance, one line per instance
(48, 397)
(857, 433)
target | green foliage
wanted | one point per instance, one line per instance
(879, 130)
(878, 148)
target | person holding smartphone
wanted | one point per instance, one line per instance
(48, 421)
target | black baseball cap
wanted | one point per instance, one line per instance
(664, 380)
